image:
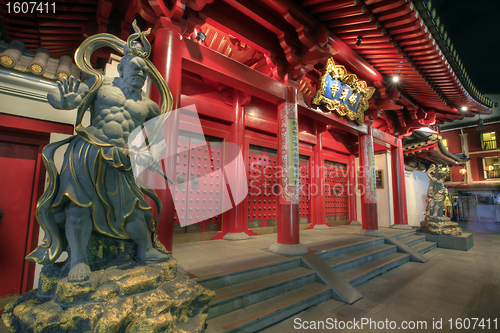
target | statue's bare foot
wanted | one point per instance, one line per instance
(79, 273)
(153, 255)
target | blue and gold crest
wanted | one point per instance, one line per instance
(343, 93)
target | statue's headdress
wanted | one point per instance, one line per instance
(137, 44)
(133, 47)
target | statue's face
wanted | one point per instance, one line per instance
(133, 72)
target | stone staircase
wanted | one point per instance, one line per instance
(251, 299)
(416, 242)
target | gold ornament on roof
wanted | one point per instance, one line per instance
(62, 75)
(6, 61)
(36, 68)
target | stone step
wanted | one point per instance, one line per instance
(355, 259)
(405, 234)
(363, 273)
(424, 247)
(243, 294)
(413, 240)
(344, 247)
(220, 280)
(268, 312)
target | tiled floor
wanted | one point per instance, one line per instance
(452, 284)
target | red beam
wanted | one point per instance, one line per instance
(205, 62)
(384, 137)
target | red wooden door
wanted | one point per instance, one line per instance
(17, 173)
(262, 187)
(200, 192)
(305, 195)
(336, 192)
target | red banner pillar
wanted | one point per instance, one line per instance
(318, 189)
(368, 188)
(399, 187)
(351, 191)
(288, 174)
(167, 58)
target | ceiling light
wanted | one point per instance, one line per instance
(395, 78)
(201, 35)
(358, 42)
(463, 108)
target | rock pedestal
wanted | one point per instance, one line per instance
(440, 226)
(121, 295)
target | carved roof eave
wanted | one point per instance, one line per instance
(441, 36)
(435, 155)
(435, 152)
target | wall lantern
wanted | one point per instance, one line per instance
(463, 171)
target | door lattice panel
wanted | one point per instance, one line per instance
(335, 191)
(262, 187)
(198, 157)
(305, 193)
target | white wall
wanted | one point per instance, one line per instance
(417, 183)
(385, 209)
(26, 96)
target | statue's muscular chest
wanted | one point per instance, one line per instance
(131, 106)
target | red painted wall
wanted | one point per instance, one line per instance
(335, 141)
(453, 138)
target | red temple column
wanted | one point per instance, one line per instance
(351, 191)
(318, 190)
(235, 218)
(167, 58)
(399, 187)
(288, 156)
(368, 188)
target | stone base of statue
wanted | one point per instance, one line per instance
(121, 295)
(440, 226)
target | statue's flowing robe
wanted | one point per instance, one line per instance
(97, 176)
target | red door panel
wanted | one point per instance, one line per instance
(305, 195)
(335, 192)
(17, 170)
(200, 191)
(262, 187)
